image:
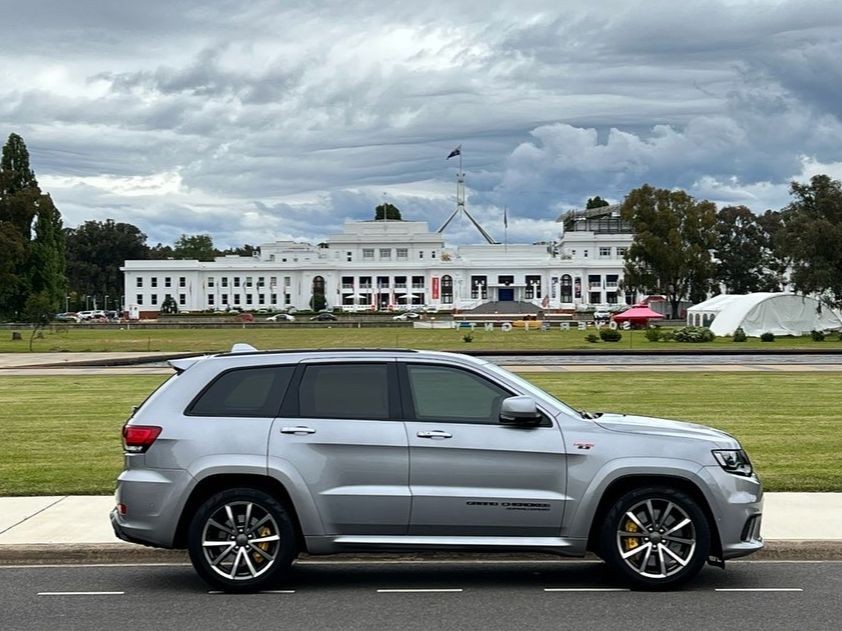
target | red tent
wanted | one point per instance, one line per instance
(639, 314)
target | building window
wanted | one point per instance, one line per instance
(261, 281)
(182, 281)
(248, 281)
(566, 288)
(447, 289)
(248, 299)
(210, 299)
(368, 254)
(153, 299)
(261, 299)
(385, 254)
(225, 299)
(236, 281)
(139, 282)
(585, 253)
(433, 254)
(349, 256)
(621, 252)
(236, 299)
(596, 297)
(274, 299)
(210, 281)
(533, 287)
(225, 281)
(287, 299)
(479, 287)
(139, 299)
(287, 281)
(153, 282)
(402, 254)
(605, 251)
(182, 299)
(167, 281)
(418, 282)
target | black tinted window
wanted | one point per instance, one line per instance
(356, 391)
(244, 392)
(440, 393)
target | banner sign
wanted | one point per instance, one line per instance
(435, 288)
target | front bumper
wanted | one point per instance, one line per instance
(737, 505)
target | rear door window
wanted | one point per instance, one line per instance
(345, 391)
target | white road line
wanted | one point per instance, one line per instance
(416, 591)
(586, 589)
(81, 593)
(277, 591)
(759, 589)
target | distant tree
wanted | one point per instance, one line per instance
(318, 302)
(169, 306)
(197, 246)
(387, 211)
(245, 250)
(160, 251)
(670, 253)
(811, 238)
(745, 252)
(95, 252)
(29, 264)
(596, 202)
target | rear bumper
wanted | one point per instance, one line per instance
(153, 499)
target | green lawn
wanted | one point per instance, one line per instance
(208, 339)
(61, 435)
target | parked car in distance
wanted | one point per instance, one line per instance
(324, 317)
(324, 441)
(409, 315)
(281, 317)
(601, 315)
(69, 316)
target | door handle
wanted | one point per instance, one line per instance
(297, 430)
(435, 434)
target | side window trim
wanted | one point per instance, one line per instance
(408, 403)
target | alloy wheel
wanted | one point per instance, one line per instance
(241, 540)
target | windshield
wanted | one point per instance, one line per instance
(533, 389)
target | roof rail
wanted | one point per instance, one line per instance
(237, 350)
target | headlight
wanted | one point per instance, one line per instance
(733, 461)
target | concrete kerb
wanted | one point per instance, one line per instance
(126, 553)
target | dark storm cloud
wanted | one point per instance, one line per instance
(277, 119)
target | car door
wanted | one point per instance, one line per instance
(469, 474)
(341, 432)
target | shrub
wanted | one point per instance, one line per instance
(667, 336)
(693, 334)
(592, 338)
(818, 336)
(467, 338)
(740, 335)
(653, 334)
(767, 337)
(610, 335)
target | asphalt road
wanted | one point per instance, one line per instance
(488, 596)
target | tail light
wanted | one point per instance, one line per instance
(138, 438)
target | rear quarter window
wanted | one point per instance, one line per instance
(247, 392)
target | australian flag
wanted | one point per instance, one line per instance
(454, 153)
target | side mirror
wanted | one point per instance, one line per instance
(519, 411)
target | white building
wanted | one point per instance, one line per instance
(391, 264)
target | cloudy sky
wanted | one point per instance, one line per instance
(259, 120)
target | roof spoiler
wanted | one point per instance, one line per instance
(182, 364)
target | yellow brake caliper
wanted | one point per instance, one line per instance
(259, 558)
(630, 543)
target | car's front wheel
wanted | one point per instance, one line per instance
(655, 538)
(242, 540)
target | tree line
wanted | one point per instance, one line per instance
(683, 248)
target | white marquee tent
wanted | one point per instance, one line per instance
(758, 313)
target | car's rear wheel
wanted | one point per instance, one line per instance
(242, 540)
(655, 538)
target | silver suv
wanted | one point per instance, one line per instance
(248, 458)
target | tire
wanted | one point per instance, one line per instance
(673, 541)
(236, 557)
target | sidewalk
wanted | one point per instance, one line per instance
(59, 528)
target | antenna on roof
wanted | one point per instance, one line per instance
(460, 199)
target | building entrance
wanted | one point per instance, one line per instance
(505, 294)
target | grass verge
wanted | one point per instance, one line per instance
(61, 435)
(60, 339)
